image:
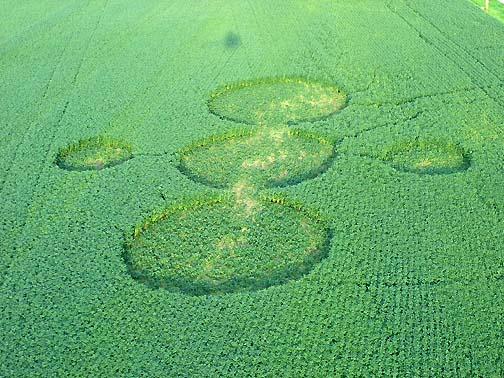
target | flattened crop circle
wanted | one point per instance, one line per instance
(276, 101)
(426, 156)
(213, 248)
(93, 154)
(265, 157)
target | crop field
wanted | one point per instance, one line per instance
(294, 188)
(496, 8)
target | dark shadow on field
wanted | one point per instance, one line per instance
(232, 40)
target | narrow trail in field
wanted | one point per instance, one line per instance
(246, 191)
(55, 116)
(241, 230)
(455, 52)
(89, 42)
(245, 195)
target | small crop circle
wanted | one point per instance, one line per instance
(426, 156)
(265, 157)
(276, 101)
(93, 154)
(213, 247)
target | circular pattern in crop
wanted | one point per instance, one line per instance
(276, 101)
(264, 157)
(93, 154)
(426, 156)
(217, 247)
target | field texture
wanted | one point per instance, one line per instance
(496, 8)
(251, 188)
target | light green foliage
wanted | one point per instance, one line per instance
(276, 101)
(496, 8)
(93, 153)
(266, 157)
(409, 282)
(425, 156)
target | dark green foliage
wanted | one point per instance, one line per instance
(232, 40)
(411, 284)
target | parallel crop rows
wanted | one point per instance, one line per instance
(248, 188)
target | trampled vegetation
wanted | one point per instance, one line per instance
(231, 188)
(266, 157)
(252, 246)
(93, 153)
(276, 101)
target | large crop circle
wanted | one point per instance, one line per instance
(215, 247)
(265, 157)
(426, 156)
(277, 101)
(93, 154)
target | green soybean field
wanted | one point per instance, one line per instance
(251, 188)
(495, 8)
